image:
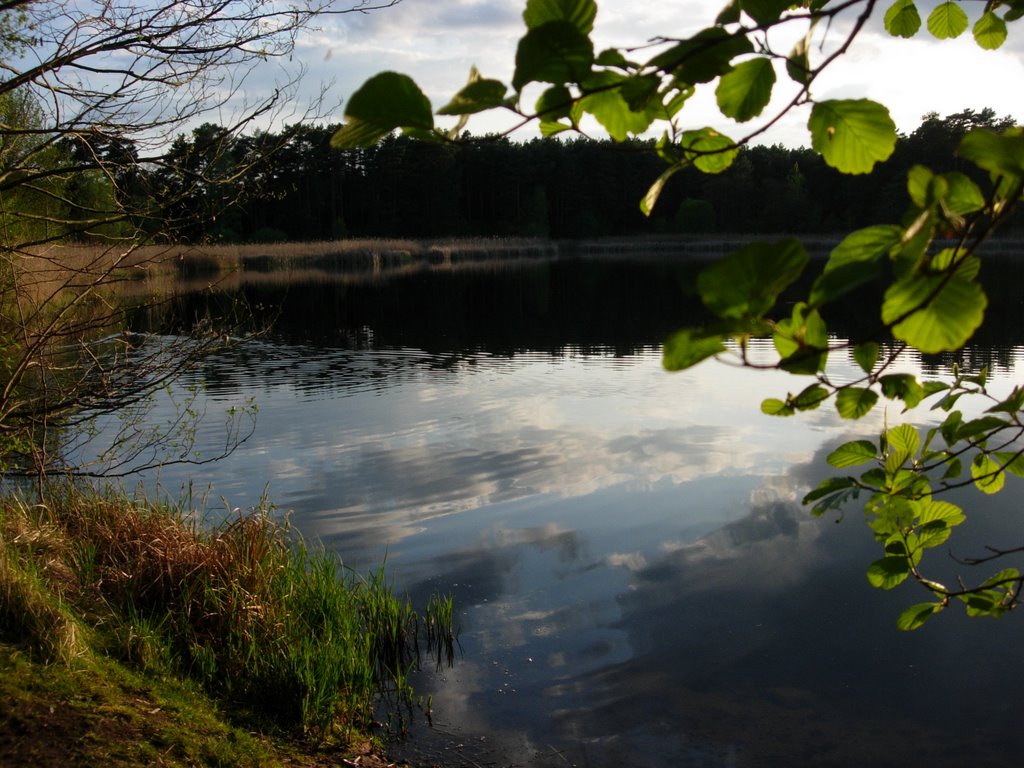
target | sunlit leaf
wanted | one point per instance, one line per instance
(386, 101)
(556, 52)
(610, 109)
(855, 402)
(986, 474)
(1000, 155)
(853, 454)
(932, 313)
(947, 21)
(919, 179)
(916, 615)
(579, 13)
(889, 572)
(904, 439)
(748, 281)
(802, 341)
(852, 135)
(552, 128)
(962, 196)
(708, 150)
(932, 510)
(651, 198)
(744, 92)
(902, 19)
(772, 406)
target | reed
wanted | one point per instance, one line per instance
(249, 610)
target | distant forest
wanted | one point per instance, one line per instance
(582, 188)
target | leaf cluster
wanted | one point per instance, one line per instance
(928, 263)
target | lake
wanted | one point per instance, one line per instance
(635, 578)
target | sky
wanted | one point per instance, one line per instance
(437, 41)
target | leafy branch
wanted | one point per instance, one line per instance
(928, 263)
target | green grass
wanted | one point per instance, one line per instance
(245, 618)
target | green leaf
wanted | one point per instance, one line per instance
(1011, 462)
(802, 341)
(1003, 576)
(651, 198)
(932, 511)
(1000, 155)
(902, 386)
(889, 572)
(916, 615)
(477, 96)
(947, 21)
(834, 283)
(747, 282)
(865, 245)
(687, 347)
(798, 63)
(709, 150)
(855, 402)
(853, 454)
(810, 398)
(579, 13)
(639, 92)
(765, 11)
(919, 179)
(744, 92)
(954, 468)
(772, 406)
(703, 57)
(962, 195)
(933, 313)
(610, 109)
(556, 52)
(904, 439)
(554, 103)
(986, 474)
(612, 57)
(980, 426)
(386, 101)
(833, 492)
(866, 355)
(552, 128)
(852, 135)
(902, 19)
(1011, 404)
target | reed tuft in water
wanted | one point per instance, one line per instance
(272, 626)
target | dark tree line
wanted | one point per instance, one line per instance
(581, 188)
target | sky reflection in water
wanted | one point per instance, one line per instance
(635, 577)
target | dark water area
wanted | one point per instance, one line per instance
(635, 578)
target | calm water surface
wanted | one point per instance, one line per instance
(635, 579)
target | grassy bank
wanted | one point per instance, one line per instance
(129, 636)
